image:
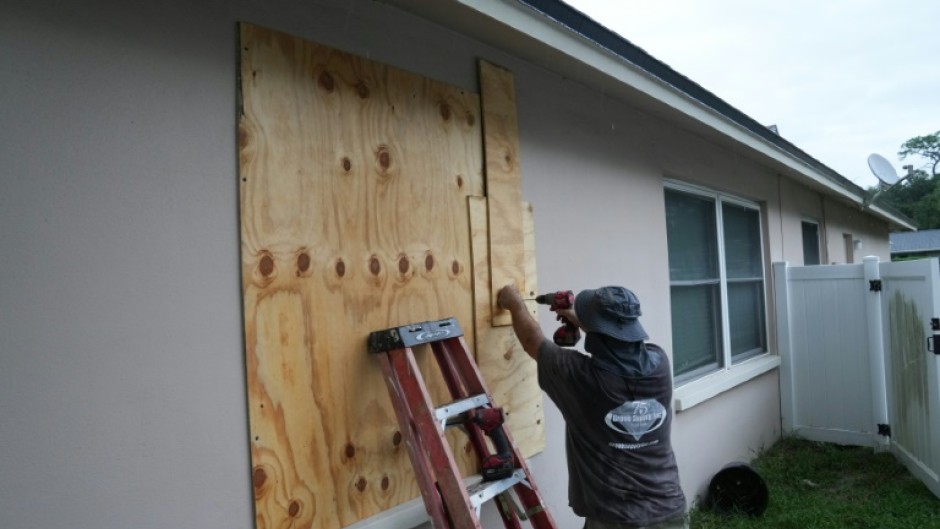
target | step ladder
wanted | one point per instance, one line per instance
(450, 503)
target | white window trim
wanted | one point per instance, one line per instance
(697, 391)
(690, 393)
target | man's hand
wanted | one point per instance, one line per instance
(523, 324)
(509, 297)
(571, 315)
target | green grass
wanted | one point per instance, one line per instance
(825, 486)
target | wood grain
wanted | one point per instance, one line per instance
(503, 182)
(354, 178)
(508, 371)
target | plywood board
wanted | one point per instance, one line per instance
(503, 182)
(354, 180)
(510, 374)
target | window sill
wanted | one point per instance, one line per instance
(695, 392)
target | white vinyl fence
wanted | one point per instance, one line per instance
(858, 365)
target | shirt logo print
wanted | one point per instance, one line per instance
(636, 418)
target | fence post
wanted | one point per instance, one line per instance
(876, 352)
(782, 308)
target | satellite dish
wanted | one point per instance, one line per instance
(883, 169)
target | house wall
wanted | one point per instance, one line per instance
(122, 379)
(616, 234)
(842, 220)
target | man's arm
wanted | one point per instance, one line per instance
(523, 324)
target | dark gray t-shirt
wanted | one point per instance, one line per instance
(621, 468)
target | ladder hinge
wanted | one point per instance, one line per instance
(874, 285)
(884, 429)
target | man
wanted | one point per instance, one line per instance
(622, 473)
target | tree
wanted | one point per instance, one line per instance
(918, 196)
(910, 197)
(927, 147)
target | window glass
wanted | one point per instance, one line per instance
(696, 330)
(716, 275)
(810, 243)
(693, 243)
(742, 241)
(746, 318)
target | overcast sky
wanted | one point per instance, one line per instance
(841, 79)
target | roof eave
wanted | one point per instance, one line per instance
(528, 31)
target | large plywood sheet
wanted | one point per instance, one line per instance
(354, 180)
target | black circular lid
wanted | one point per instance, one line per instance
(738, 488)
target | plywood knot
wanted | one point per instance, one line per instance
(396, 439)
(375, 270)
(347, 164)
(350, 451)
(258, 477)
(445, 110)
(361, 484)
(303, 264)
(385, 482)
(243, 136)
(293, 510)
(362, 89)
(428, 262)
(326, 81)
(460, 181)
(266, 266)
(384, 157)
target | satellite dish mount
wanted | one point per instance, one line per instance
(886, 175)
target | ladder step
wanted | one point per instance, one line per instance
(485, 491)
(453, 502)
(460, 406)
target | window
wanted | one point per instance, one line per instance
(849, 242)
(810, 243)
(716, 276)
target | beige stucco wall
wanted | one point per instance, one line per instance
(122, 393)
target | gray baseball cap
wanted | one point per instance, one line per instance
(613, 311)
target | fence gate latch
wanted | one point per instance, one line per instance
(933, 341)
(874, 285)
(933, 344)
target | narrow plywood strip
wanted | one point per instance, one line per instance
(503, 182)
(353, 179)
(509, 373)
(528, 242)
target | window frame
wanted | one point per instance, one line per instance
(701, 384)
(819, 245)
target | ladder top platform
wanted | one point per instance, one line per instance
(413, 334)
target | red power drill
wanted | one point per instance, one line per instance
(568, 334)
